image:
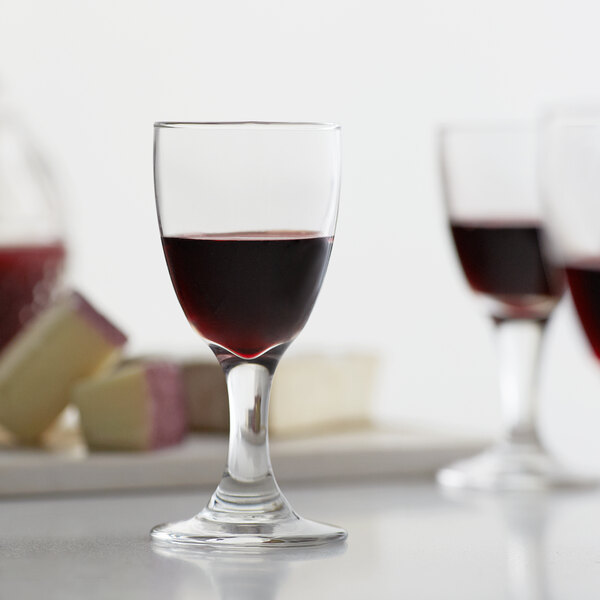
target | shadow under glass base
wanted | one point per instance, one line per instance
(208, 529)
(508, 467)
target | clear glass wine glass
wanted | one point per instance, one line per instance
(247, 214)
(489, 178)
(570, 183)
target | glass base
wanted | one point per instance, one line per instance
(246, 532)
(507, 467)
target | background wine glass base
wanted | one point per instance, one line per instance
(507, 467)
(291, 532)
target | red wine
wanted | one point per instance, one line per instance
(248, 292)
(584, 282)
(28, 274)
(505, 261)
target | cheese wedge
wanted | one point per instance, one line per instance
(206, 396)
(318, 394)
(70, 340)
(140, 406)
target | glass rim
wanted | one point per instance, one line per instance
(302, 125)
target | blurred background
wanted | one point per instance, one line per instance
(90, 78)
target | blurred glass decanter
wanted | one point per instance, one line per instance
(32, 250)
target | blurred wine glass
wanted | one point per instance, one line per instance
(570, 183)
(496, 218)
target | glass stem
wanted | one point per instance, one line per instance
(519, 351)
(248, 484)
(248, 386)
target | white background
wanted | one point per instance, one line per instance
(90, 77)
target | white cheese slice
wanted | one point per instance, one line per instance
(69, 341)
(138, 407)
(316, 394)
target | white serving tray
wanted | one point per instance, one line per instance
(199, 460)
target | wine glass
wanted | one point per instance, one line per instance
(570, 182)
(247, 214)
(490, 186)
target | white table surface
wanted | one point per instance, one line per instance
(406, 540)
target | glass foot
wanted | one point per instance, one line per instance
(510, 468)
(203, 530)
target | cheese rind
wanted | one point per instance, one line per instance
(97, 320)
(169, 416)
(137, 407)
(69, 341)
(206, 396)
